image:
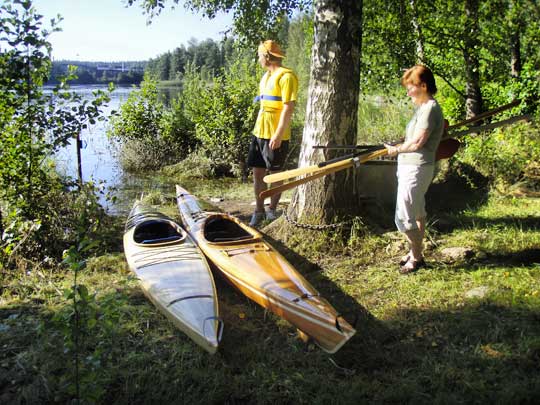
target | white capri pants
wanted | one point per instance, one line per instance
(413, 183)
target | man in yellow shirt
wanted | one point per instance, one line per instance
(270, 142)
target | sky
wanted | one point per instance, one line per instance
(105, 30)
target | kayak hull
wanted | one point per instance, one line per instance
(261, 273)
(173, 274)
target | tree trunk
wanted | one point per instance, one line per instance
(473, 95)
(515, 52)
(332, 109)
(516, 24)
(419, 38)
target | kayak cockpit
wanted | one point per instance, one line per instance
(157, 231)
(222, 229)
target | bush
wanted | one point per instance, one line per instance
(505, 155)
(223, 113)
(197, 165)
(150, 135)
(137, 155)
(26, 241)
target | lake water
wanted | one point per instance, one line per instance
(99, 162)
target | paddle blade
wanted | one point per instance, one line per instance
(447, 148)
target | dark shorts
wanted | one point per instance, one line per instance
(261, 155)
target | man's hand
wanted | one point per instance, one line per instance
(275, 142)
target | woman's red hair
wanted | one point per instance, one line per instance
(417, 75)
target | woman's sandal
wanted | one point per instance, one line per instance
(404, 259)
(411, 266)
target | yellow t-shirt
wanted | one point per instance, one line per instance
(274, 90)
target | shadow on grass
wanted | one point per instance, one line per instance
(522, 258)
(454, 195)
(479, 352)
(524, 223)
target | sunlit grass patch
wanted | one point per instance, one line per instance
(503, 226)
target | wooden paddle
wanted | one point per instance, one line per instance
(329, 164)
(316, 172)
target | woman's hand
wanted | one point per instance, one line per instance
(391, 150)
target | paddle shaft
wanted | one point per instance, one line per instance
(289, 174)
(485, 114)
(323, 171)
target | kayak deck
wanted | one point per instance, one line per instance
(263, 274)
(173, 274)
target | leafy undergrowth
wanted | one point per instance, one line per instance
(463, 330)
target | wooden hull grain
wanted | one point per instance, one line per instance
(263, 274)
(173, 274)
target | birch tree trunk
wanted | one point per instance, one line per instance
(332, 109)
(419, 37)
(473, 95)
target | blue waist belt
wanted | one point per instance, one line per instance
(266, 97)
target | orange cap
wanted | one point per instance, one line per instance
(272, 48)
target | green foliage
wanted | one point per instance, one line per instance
(387, 44)
(77, 323)
(300, 42)
(150, 135)
(29, 241)
(253, 19)
(223, 113)
(505, 155)
(382, 118)
(525, 88)
(24, 65)
(33, 126)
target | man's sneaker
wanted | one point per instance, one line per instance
(271, 214)
(256, 218)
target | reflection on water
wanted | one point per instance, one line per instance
(99, 160)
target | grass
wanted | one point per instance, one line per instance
(422, 338)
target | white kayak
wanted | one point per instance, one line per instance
(174, 274)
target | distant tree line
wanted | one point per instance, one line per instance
(207, 56)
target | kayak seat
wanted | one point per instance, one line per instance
(157, 231)
(219, 229)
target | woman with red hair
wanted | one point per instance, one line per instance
(416, 162)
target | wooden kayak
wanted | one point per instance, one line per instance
(174, 274)
(253, 266)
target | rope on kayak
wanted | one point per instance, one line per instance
(315, 227)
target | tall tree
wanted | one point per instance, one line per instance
(471, 48)
(165, 66)
(178, 63)
(331, 113)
